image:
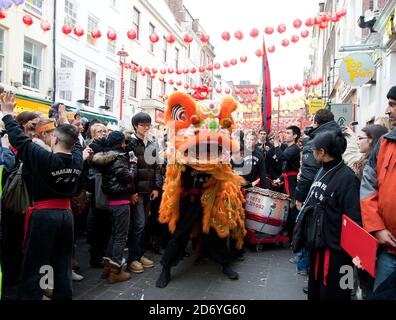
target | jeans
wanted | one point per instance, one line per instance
(303, 261)
(48, 256)
(141, 212)
(386, 265)
(120, 226)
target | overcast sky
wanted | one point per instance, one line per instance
(287, 64)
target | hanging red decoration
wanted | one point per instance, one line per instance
(132, 35)
(254, 33)
(243, 59)
(179, 72)
(271, 49)
(188, 38)
(297, 23)
(237, 91)
(152, 76)
(147, 69)
(186, 70)
(276, 95)
(78, 31)
(234, 62)
(251, 91)
(154, 71)
(154, 38)
(96, 34)
(324, 25)
(226, 36)
(27, 20)
(269, 30)
(143, 74)
(163, 71)
(309, 22)
(179, 83)
(239, 35)
(162, 79)
(204, 38)
(295, 38)
(170, 39)
(282, 28)
(304, 33)
(202, 69)
(112, 36)
(283, 93)
(171, 70)
(226, 64)
(186, 86)
(227, 91)
(45, 26)
(139, 69)
(219, 90)
(335, 19)
(193, 70)
(276, 90)
(171, 82)
(209, 67)
(285, 42)
(289, 88)
(318, 20)
(217, 66)
(259, 53)
(3, 15)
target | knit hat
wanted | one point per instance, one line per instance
(114, 138)
(392, 93)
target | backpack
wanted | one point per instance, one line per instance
(16, 198)
(308, 232)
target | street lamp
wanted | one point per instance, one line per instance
(123, 55)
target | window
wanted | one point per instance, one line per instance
(35, 5)
(109, 102)
(177, 54)
(163, 88)
(149, 87)
(70, 13)
(92, 25)
(90, 87)
(68, 64)
(165, 51)
(136, 21)
(133, 84)
(111, 45)
(32, 65)
(151, 31)
(1, 55)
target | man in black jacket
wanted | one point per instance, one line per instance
(148, 185)
(324, 121)
(49, 232)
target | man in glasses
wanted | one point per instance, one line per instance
(148, 185)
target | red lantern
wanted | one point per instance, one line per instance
(259, 53)
(285, 42)
(188, 38)
(45, 26)
(163, 71)
(276, 95)
(186, 70)
(239, 35)
(227, 91)
(202, 69)
(112, 36)
(209, 68)
(335, 19)
(162, 79)
(295, 38)
(297, 87)
(341, 13)
(147, 70)
(171, 82)
(244, 59)
(27, 20)
(143, 74)
(297, 23)
(309, 22)
(3, 15)
(226, 36)
(276, 90)
(318, 20)
(78, 31)
(132, 35)
(237, 91)
(217, 66)
(154, 38)
(219, 90)
(204, 38)
(193, 70)
(171, 70)
(226, 64)
(179, 83)
(251, 91)
(323, 25)
(304, 33)
(281, 28)
(152, 76)
(96, 34)
(154, 71)
(170, 39)
(139, 69)
(179, 72)
(283, 93)
(271, 49)
(269, 30)
(254, 33)
(289, 88)
(186, 86)
(234, 62)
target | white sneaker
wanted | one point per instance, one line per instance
(76, 277)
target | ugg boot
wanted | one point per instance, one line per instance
(116, 274)
(106, 268)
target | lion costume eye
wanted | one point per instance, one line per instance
(179, 113)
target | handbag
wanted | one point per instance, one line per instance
(308, 232)
(80, 203)
(16, 198)
(101, 199)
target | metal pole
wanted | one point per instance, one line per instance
(279, 105)
(122, 89)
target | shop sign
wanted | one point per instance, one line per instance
(357, 69)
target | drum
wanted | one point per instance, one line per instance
(266, 211)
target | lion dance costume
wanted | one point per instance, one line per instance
(200, 184)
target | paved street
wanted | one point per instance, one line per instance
(267, 275)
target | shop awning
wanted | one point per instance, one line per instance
(26, 103)
(100, 117)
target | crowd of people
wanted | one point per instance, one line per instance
(65, 175)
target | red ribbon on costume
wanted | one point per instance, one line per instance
(326, 266)
(285, 176)
(61, 204)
